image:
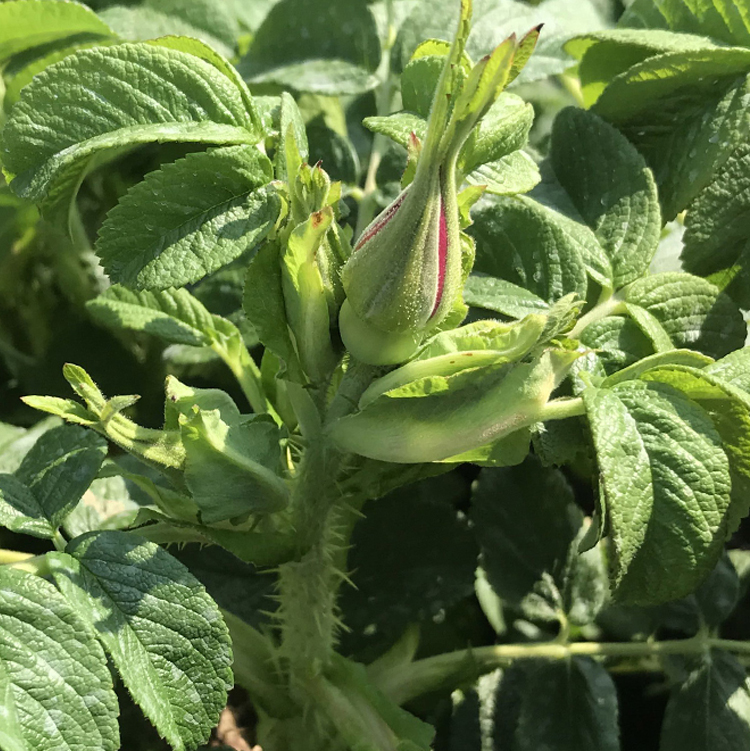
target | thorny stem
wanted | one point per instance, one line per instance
(405, 683)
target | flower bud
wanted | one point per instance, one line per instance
(405, 271)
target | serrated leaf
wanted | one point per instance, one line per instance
(214, 16)
(725, 20)
(504, 503)
(733, 369)
(60, 467)
(163, 632)
(617, 342)
(412, 557)
(520, 240)
(692, 311)
(666, 484)
(487, 292)
(707, 91)
(568, 705)
(231, 470)
(716, 228)
(172, 314)
(398, 126)
(189, 219)
(85, 109)
(263, 303)
(511, 174)
(53, 673)
(20, 511)
(26, 24)
(141, 23)
(709, 710)
(16, 442)
(321, 46)
(729, 409)
(611, 187)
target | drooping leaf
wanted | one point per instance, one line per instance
(611, 187)
(56, 688)
(190, 218)
(709, 710)
(163, 632)
(179, 98)
(666, 486)
(568, 705)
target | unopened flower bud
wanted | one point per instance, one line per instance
(405, 271)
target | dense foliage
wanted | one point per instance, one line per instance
(393, 356)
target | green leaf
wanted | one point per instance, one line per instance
(525, 243)
(608, 53)
(263, 303)
(692, 311)
(231, 469)
(651, 327)
(729, 409)
(398, 126)
(724, 20)
(412, 558)
(717, 225)
(505, 503)
(611, 187)
(709, 710)
(568, 705)
(181, 98)
(172, 314)
(666, 484)
(214, 16)
(140, 23)
(511, 174)
(20, 511)
(54, 680)
(321, 46)
(25, 24)
(60, 467)
(16, 442)
(189, 218)
(707, 91)
(618, 342)
(163, 632)
(500, 296)
(292, 147)
(733, 369)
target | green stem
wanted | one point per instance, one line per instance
(34, 564)
(308, 585)
(560, 409)
(608, 307)
(423, 676)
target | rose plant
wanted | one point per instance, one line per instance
(486, 433)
